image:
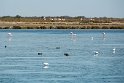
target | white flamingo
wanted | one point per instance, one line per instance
(96, 53)
(103, 34)
(45, 65)
(73, 34)
(114, 50)
(10, 34)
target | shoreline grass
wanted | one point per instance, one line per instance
(59, 25)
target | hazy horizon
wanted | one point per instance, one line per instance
(87, 8)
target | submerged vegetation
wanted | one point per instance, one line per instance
(60, 22)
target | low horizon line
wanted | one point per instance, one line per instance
(61, 16)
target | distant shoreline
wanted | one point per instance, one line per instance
(60, 22)
(59, 25)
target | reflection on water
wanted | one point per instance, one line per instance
(21, 63)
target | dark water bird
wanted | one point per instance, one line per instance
(57, 47)
(66, 54)
(5, 46)
(39, 53)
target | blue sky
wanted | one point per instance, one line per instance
(88, 8)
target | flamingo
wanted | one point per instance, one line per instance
(96, 53)
(46, 64)
(73, 34)
(103, 34)
(10, 34)
(114, 50)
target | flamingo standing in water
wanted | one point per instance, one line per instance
(10, 34)
(103, 34)
(73, 34)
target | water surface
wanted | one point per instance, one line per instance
(20, 62)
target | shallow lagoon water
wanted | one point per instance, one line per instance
(20, 62)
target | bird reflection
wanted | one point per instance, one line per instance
(10, 39)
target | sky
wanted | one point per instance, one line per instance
(87, 8)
